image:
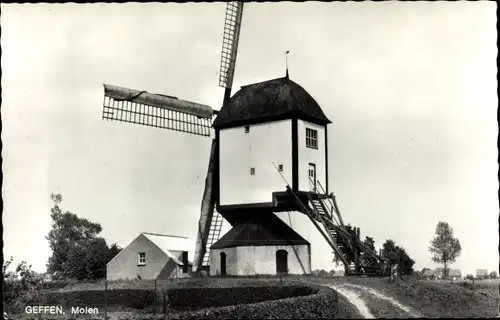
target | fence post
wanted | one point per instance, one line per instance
(154, 298)
(106, 299)
(164, 302)
(39, 302)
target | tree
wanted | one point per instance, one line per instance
(493, 275)
(444, 247)
(405, 263)
(322, 273)
(389, 252)
(469, 277)
(77, 251)
(20, 281)
(6, 264)
(367, 259)
(397, 255)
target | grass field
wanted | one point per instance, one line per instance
(429, 298)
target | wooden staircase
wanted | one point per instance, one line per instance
(323, 214)
(324, 209)
(213, 235)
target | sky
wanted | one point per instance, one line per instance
(410, 88)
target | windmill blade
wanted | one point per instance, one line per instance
(207, 211)
(232, 27)
(156, 110)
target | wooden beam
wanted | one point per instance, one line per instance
(158, 101)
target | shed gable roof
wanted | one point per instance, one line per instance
(168, 243)
(268, 100)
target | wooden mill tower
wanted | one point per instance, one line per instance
(268, 133)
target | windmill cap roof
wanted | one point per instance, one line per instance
(263, 101)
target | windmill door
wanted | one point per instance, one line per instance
(312, 176)
(281, 261)
(222, 264)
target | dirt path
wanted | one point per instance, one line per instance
(352, 292)
(379, 295)
(355, 299)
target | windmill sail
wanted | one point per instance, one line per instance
(209, 227)
(232, 27)
(207, 211)
(156, 110)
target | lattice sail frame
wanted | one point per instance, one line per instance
(232, 27)
(156, 110)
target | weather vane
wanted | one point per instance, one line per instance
(286, 61)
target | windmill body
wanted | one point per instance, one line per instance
(265, 129)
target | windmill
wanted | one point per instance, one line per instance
(275, 106)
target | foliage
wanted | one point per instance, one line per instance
(405, 263)
(493, 275)
(296, 302)
(20, 282)
(77, 251)
(116, 298)
(444, 247)
(366, 259)
(5, 272)
(397, 255)
(88, 259)
(199, 298)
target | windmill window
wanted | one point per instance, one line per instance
(252, 171)
(247, 129)
(141, 259)
(311, 138)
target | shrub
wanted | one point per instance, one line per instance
(326, 304)
(136, 299)
(198, 298)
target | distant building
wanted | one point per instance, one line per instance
(429, 274)
(455, 274)
(47, 277)
(481, 273)
(151, 256)
(439, 273)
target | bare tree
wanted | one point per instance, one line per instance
(444, 247)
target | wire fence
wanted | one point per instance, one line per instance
(25, 294)
(132, 299)
(59, 297)
(98, 298)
